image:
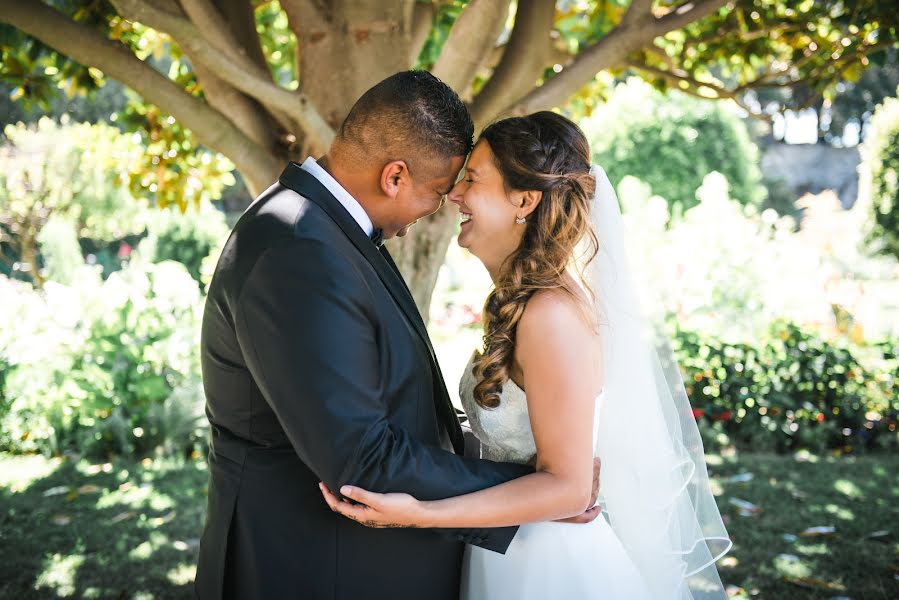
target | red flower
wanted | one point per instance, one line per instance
(124, 251)
(697, 413)
(820, 417)
(725, 416)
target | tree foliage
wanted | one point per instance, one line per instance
(262, 82)
(672, 142)
(89, 175)
(51, 170)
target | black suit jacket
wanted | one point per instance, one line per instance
(317, 367)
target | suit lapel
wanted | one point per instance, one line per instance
(305, 184)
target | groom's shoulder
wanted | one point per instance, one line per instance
(286, 229)
(280, 213)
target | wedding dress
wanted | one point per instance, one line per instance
(545, 560)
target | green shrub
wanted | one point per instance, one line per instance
(794, 390)
(105, 367)
(51, 171)
(672, 141)
(880, 176)
(185, 238)
(91, 176)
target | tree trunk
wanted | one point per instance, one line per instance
(346, 47)
(420, 254)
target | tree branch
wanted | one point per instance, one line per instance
(303, 13)
(683, 15)
(692, 86)
(221, 32)
(241, 17)
(639, 10)
(522, 63)
(473, 35)
(611, 50)
(235, 69)
(422, 21)
(88, 47)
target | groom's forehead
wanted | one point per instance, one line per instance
(453, 167)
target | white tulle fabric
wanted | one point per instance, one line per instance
(655, 487)
(660, 533)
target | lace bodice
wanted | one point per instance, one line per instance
(505, 431)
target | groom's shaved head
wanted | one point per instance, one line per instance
(410, 116)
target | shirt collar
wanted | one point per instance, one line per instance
(311, 166)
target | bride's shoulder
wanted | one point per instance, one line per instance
(553, 313)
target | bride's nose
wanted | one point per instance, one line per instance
(455, 194)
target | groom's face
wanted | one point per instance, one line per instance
(418, 197)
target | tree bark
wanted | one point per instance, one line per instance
(234, 68)
(526, 55)
(347, 46)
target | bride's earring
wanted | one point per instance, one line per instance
(520, 220)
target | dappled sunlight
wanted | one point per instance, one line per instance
(798, 521)
(713, 460)
(88, 530)
(839, 512)
(145, 550)
(812, 549)
(849, 489)
(728, 562)
(136, 497)
(790, 565)
(183, 574)
(19, 473)
(59, 574)
(805, 456)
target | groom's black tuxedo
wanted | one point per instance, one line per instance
(317, 367)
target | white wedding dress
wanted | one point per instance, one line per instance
(546, 560)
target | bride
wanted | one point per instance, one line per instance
(569, 371)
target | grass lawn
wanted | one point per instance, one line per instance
(131, 530)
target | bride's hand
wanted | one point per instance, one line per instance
(376, 510)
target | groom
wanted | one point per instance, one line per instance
(317, 367)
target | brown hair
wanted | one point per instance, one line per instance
(548, 153)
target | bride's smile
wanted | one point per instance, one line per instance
(492, 216)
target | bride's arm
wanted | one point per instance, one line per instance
(556, 352)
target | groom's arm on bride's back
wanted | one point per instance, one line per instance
(306, 325)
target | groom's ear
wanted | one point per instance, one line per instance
(391, 175)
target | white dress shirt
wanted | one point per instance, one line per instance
(311, 166)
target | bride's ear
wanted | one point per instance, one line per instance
(391, 175)
(527, 202)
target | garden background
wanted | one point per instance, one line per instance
(755, 148)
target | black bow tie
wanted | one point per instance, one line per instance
(377, 238)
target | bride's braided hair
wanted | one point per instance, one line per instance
(548, 153)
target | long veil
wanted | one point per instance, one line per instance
(654, 483)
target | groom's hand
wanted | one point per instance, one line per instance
(591, 513)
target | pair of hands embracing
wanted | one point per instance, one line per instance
(398, 510)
